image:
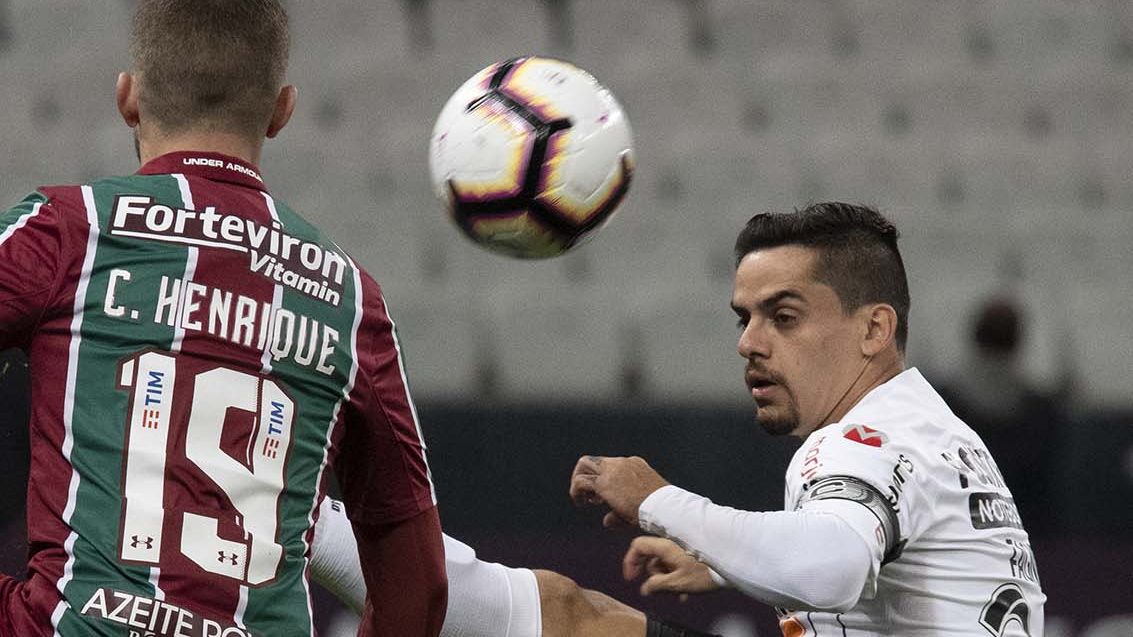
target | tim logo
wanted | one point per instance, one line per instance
(271, 448)
(1007, 605)
(865, 435)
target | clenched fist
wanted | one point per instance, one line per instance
(619, 483)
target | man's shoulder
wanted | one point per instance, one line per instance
(907, 408)
(72, 195)
(900, 423)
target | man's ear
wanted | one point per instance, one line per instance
(284, 107)
(880, 328)
(126, 93)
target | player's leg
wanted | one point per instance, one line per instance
(568, 610)
(486, 599)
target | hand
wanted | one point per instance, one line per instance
(669, 568)
(620, 483)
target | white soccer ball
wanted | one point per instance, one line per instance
(530, 156)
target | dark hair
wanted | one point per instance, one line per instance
(214, 64)
(857, 253)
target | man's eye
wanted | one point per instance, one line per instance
(785, 318)
(741, 324)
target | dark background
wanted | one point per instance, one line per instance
(501, 473)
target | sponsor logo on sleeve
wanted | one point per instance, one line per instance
(993, 511)
(811, 462)
(864, 434)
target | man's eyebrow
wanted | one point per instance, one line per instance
(766, 305)
(770, 302)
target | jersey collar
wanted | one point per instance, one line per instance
(214, 166)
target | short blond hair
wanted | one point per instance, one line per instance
(210, 64)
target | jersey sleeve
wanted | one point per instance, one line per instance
(858, 463)
(32, 246)
(380, 464)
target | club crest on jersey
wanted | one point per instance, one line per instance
(865, 435)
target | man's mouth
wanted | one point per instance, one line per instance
(761, 386)
(761, 391)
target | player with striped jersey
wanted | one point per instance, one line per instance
(200, 356)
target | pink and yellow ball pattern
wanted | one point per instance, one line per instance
(530, 156)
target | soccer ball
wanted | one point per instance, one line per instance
(530, 156)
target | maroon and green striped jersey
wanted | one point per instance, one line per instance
(200, 355)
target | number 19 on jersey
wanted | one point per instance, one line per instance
(253, 487)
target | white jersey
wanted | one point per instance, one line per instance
(960, 562)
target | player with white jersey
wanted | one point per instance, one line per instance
(897, 520)
(944, 509)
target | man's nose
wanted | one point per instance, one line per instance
(753, 342)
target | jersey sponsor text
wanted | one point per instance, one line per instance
(147, 617)
(301, 265)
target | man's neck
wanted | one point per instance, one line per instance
(877, 372)
(154, 146)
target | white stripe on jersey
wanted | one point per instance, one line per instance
(186, 193)
(20, 223)
(178, 332)
(409, 399)
(346, 391)
(265, 367)
(69, 400)
(276, 301)
(190, 269)
(241, 607)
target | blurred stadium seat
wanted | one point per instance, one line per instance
(444, 348)
(688, 350)
(982, 128)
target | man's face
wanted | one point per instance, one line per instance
(803, 353)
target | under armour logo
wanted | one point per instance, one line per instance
(231, 557)
(137, 541)
(1005, 606)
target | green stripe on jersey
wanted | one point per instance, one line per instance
(281, 608)
(11, 218)
(98, 422)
